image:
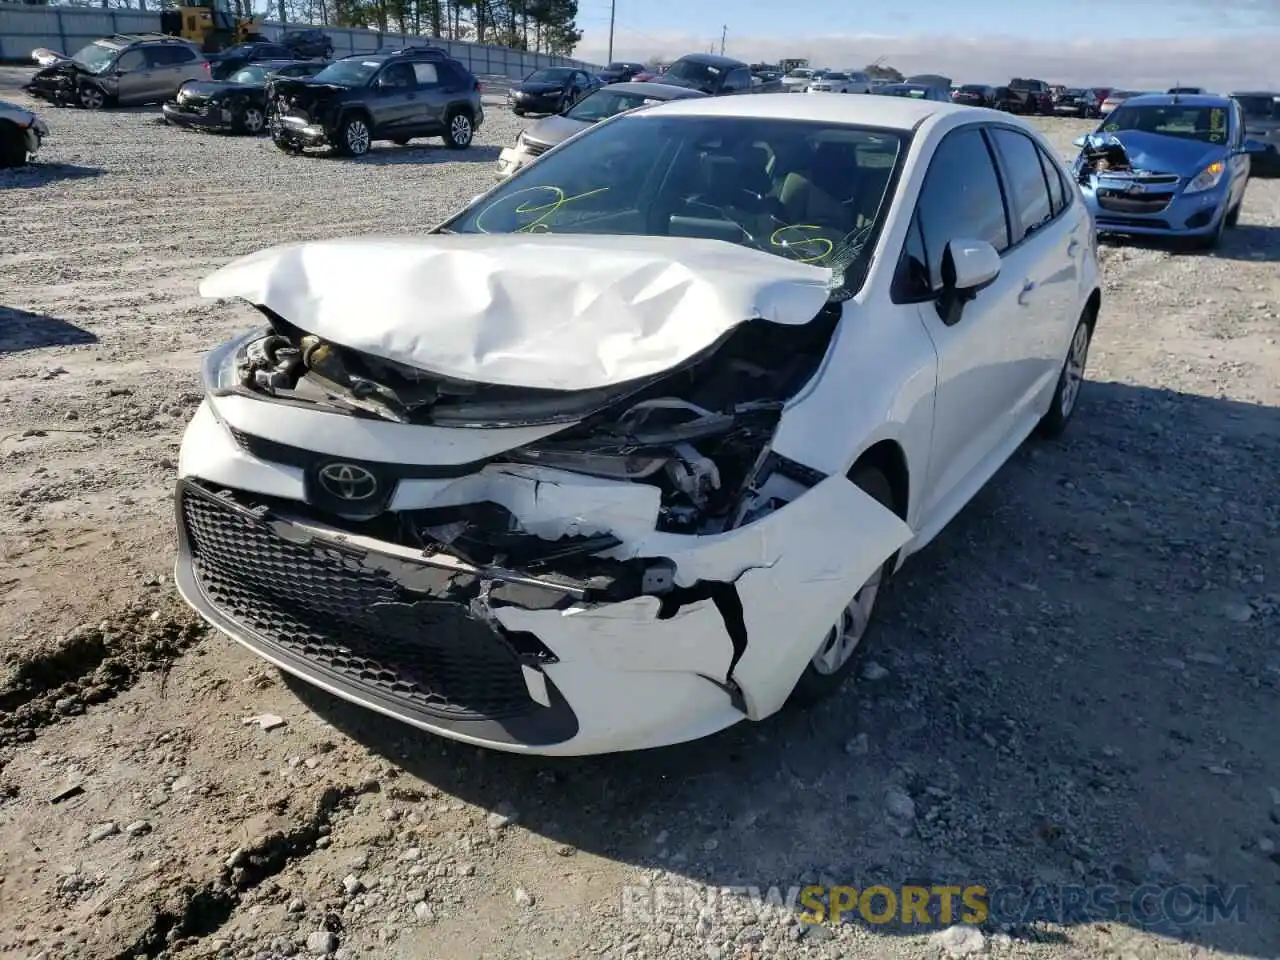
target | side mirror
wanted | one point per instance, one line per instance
(1078, 142)
(1254, 147)
(967, 267)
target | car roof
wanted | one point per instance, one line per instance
(659, 91)
(1180, 99)
(712, 60)
(894, 113)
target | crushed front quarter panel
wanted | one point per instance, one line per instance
(794, 570)
(559, 312)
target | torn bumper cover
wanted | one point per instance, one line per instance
(526, 661)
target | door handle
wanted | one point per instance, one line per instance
(1027, 289)
(1073, 247)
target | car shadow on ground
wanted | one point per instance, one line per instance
(1072, 708)
(1248, 241)
(41, 173)
(20, 330)
(425, 151)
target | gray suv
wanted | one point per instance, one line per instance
(122, 69)
(397, 95)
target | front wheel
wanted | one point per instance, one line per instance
(355, 137)
(458, 131)
(1069, 381)
(250, 120)
(836, 655)
(91, 97)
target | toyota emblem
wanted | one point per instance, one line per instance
(348, 482)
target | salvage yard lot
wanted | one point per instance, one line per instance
(1076, 684)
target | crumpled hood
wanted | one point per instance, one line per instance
(1155, 153)
(566, 312)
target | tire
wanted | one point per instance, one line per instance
(518, 111)
(249, 120)
(819, 682)
(1233, 215)
(354, 136)
(90, 97)
(13, 146)
(459, 130)
(287, 147)
(1066, 395)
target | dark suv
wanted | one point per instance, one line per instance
(308, 43)
(714, 76)
(396, 96)
(228, 61)
(1030, 96)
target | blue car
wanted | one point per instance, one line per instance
(1167, 166)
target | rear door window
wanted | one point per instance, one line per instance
(1059, 197)
(1030, 206)
(425, 74)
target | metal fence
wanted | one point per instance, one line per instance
(23, 28)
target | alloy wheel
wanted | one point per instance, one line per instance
(254, 122)
(842, 640)
(461, 130)
(357, 138)
(91, 98)
(1073, 372)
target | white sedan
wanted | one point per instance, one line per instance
(620, 454)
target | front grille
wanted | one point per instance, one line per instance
(535, 149)
(345, 617)
(1122, 202)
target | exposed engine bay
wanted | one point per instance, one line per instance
(698, 433)
(1103, 155)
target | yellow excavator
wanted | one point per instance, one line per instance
(213, 24)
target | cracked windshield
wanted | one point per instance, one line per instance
(806, 191)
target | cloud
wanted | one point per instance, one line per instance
(1219, 63)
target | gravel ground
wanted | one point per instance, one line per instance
(1074, 686)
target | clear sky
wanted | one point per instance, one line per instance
(1235, 41)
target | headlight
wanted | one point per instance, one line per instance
(219, 368)
(1207, 178)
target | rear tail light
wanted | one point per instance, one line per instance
(208, 70)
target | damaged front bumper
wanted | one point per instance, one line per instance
(300, 132)
(534, 660)
(510, 160)
(208, 116)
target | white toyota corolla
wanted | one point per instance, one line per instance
(619, 455)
